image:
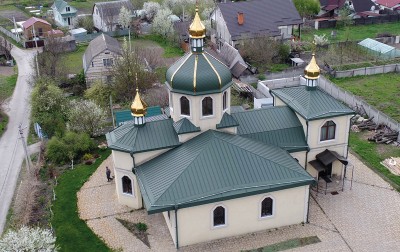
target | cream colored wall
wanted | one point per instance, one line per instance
(122, 160)
(143, 157)
(278, 102)
(301, 156)
(207, 122)
(134, 200)
(242, 216)
(171, 224)
(185, 137)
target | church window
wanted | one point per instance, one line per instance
(185, 106)
(267, 207)
(219, 216)
(126, 185)
(224, 100)
(207, 106)
(328, 131)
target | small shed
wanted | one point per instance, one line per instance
(379, 49)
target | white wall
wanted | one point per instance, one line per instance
(242, 216)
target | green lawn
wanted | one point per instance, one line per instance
(72, 233)
(170, 50)
(73, 60)
(359, 32)
(7, 85)
(381, 91)
(373, 154)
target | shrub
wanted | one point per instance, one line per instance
(142, 227)
(87, 156)
(28, 239)
(261, 77)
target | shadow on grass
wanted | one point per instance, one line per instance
(289, 244)
(72, 233)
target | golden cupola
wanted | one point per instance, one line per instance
(197, 30)
(312, 70)
(138, 109)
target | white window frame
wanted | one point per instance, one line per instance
(190, 107)
(320, 128)
(260, 208)
(213, 107)
(212, 217)
(132, 185)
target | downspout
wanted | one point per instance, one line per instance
(176, 226)
(308, 209)
(308, 148)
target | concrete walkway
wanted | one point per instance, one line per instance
(362, 219)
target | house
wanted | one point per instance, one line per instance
(214, 173)
(389, 4)
(64, 14)
(35, 27)
(105, 14)
(99, 58)
(234, 21)
(364, 8)
(330, 8)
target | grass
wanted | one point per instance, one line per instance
(373, 154)
(73, 60)
(289, 244)
(3, 122)
(359, 32)
(381, 91)
(72, 233)
(170, 50)
(7, 85)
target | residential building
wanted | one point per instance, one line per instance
(35, 27)
(214, 173)
(389, 4)
(64, 14)
(235, 21)
(99, 58)
(105, 14)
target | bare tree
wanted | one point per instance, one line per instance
(49, 61)
(5, 48)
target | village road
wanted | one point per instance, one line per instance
(11, 149)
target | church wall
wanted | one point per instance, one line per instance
(170, 221)
(143, 157)
(133, 200)
(122, 160)
(300, 156)
(242, 216)
(185, 137)
(278, 102)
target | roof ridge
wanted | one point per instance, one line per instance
(259, 154)
(205, 52)
(271, 130)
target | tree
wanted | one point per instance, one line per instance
(307, 8)
(85, 22)
(49, 106)
(125, 19)
(28, 239)
(162, 25)
(151, 9)
(100, 93)
(124, 73)
(87, 117)
(49, 61)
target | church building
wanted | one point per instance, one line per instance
(213, 173)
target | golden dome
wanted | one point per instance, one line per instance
(197, 29)
(138, 107)
(312, 69)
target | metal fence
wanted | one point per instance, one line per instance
(10, 34)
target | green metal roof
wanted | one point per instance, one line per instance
(184, 126)
(311, 104)
(126, 115)
(278, 126)
(198, 74)
(216, 166)
(227, 121)
(151, 136)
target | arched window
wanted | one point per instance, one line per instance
(328, 131)
(224, 98)
(185, 106)
(266, 207)
(126, 185)
(219, 216)
(207, 106)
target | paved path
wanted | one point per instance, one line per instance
(362, 219)
(11, 151)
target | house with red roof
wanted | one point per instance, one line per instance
(35, 27)
(389, 4)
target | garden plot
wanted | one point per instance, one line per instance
(13, 12)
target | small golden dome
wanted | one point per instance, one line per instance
(197, 29)
(138, 107)
(312, 69)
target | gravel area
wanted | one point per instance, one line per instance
(364, 218)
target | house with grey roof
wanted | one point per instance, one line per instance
(234, 21)
(99, 58)
(214, 172)
(64, 14)
(105, 14)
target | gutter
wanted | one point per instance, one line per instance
(176, 227)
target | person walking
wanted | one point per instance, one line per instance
(108, 174)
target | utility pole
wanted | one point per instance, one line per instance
(27, 157)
